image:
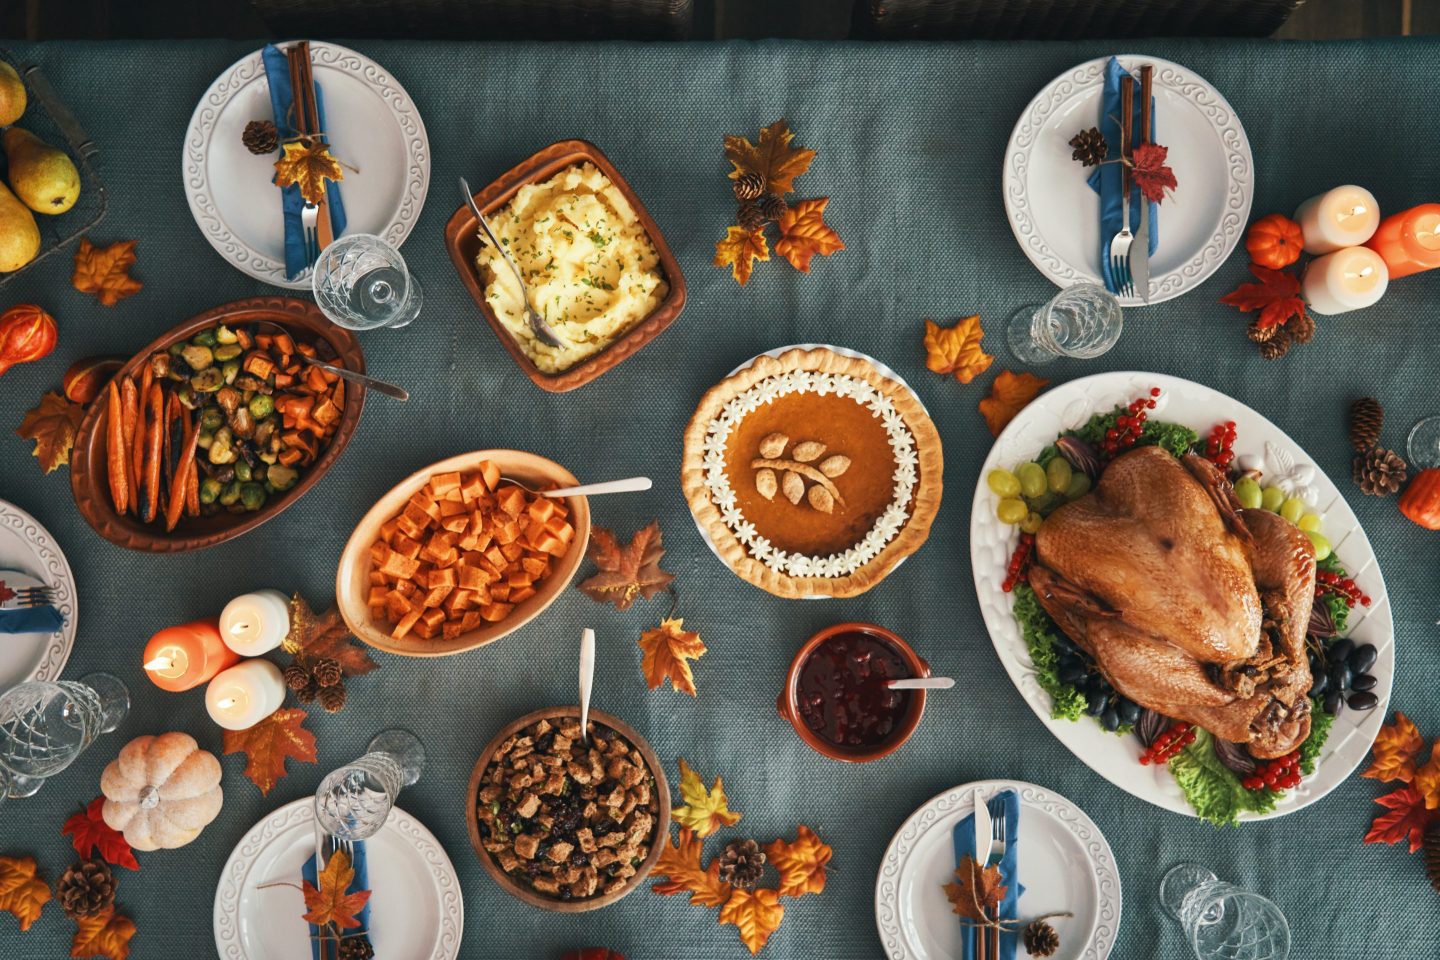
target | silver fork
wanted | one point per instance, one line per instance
(997, 854)
(309, 226)
(34, 596)
(1120, 243)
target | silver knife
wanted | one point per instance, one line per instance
(984, 838)
(1140, 255)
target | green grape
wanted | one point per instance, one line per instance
(1033, 481)
(1292, 509)
(1247, 491)
(1032, 522)
(1042, 504)
(1271, 499)
(1310, 523)
(1058, 472)
(1321, 544)
(1012, 511)
(1003, 483)
(1079, 486)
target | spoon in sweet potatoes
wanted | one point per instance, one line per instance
(628, 485)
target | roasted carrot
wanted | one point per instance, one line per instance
(147, 380)
(192, 478)
(129, 415)
(181, 483)
(154, 451)
(116, 451)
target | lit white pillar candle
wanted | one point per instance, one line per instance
(255, 623)
(1345, 280)
(1344, 217)
(244, 695)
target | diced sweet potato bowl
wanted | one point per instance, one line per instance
(454, 557)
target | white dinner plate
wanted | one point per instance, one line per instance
(416, 909)
(1056, 216)
(372, 124)
(1196, 406)
(1065, 865)
(30, 557)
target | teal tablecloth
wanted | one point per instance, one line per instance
(910, 140)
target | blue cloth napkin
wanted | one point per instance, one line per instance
(31, 620)
(1105, 180)
(1005, 805)
(277, 71)
(361, 882)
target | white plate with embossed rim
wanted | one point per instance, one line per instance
(1199, 407)
(1056, 216)
(417, 911)
(372, 123)
(29, 557)
(1065, 865)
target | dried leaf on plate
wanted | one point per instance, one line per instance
(307, 163)
(804, 233)
(1407, 819)
(279, 737)
(53, 426)
(1397, 747)
(773, 158)
(680, 865)
(332, 902)
(1008, 396)
(22, 892)
(739, 251)
(756, 913)
(626, 572)
(956, 350)
(1152, 175)
(103, 271)
(801, 864)
(107, 934)
(978, 892)
(705, 811)
(1276, 296)
(88, 831)
(666, 650)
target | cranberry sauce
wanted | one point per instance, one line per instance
(842, 693)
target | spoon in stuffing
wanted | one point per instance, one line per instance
(542, 330)
(587, 678)
(921, 683)
(628, 485)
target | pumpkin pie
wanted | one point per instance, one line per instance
(813, 473)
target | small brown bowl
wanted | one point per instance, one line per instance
(789, 701)
(463, 242)
(662, 817)
(90, 484)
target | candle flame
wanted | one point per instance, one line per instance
(227, 703)
(160, 663)
(238, 628)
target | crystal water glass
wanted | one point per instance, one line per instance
(1081, 322)
(354, 801)
(361, 282)
(45, 725)
(1422, 447)
(1222, 921)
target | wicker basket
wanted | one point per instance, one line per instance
(481, 19)
(1067, 19)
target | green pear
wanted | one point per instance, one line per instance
(19, 237)
(44, 177)
(12, 95)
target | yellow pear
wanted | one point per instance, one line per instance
(44, 177)
(12, 95)
(19, 237)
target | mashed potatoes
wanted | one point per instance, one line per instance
(591, 269)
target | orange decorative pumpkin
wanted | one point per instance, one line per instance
(26, 333)
(1421, 500)
(85, 378)
(1274, 241)
(592, 953)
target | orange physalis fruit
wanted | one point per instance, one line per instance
(1008, 396)
(956, 350)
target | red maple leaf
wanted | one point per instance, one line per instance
(1276, 296)
(1408, 817)
(5, 592)
(1152, 174)
(88, 830)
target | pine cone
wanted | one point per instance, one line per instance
(749, 216)
(333, 698)
(1041, 940)
(328, 672)
(1301, 328)
(1380, 472)
(742, 863)
(1366, 419)
(1432, 854)
(1277, 346)
(86, 888)
(260, 136)
(748, 186)
(309, 692)
(1090, 147)
(1261, 333)
(297, 677)
(773, 206)
(356, 948)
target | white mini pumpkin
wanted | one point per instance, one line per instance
(160, 792)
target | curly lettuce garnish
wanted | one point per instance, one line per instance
(1214, 791)
(1066, 702)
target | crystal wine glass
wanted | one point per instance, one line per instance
(46, 725)
(1222, 921)
(354, 801)
(1422, 447)
(361, 282)
(1080, 322)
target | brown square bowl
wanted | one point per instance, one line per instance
(90, 484)
(463, 242)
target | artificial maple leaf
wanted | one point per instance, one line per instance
(1008, 396)
(1408, 817)
(956, 349)
(326, 637)
(1397, 747)
(680, 865)
(103, 271)
(626, 572)
(88, 831)
(270, 743)
(53, 426)
(978, 892)
(107, 934)
(739, 251)
(777, 162)
(5, 592)
(332, 902)
(1276, 296)
(1152, 175)
(705, 811)
(801, 864)
(804, 233)
(667, 648)
(22, 892)
(1427, 779)
(756, 913)
(307, 163)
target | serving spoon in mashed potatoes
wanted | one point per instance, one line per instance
(543, 331)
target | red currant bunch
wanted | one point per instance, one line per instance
(1219, 449)
(1329, 582)
(1169, 743)
(1019, 569)
(1129, 425)
(1282, 773)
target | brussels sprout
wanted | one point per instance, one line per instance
(160, 365)
(231, 370)
(210, 490)
(231, 493)
(208, 380)
(205, 338)
(242, 423)
(252, 496)
(224, 334)
(228, 352)
(211, 419)
(261, 406)
(206, 438)
(199, 357)
(281, 477)
(243, 471)
(222, 450)
(175, 348)
(229, 399)
(189, 399)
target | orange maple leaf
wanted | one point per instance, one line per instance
(667, 648)
(103, 271)
(956, 349)
(1008, 396)
(307, 163)
(801, 864)
(705, 811)
(626, 572)
(1276, 296)
(53, 426)
(777, 162)
(978, 892)
(22, 892)
(756, 913)
(1397, 747)
(804, 233)
(680, 865)
(270, 743)
(332, 902)
(1427, 779)
(739, 251)
(1407, 819)
(107, 934)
